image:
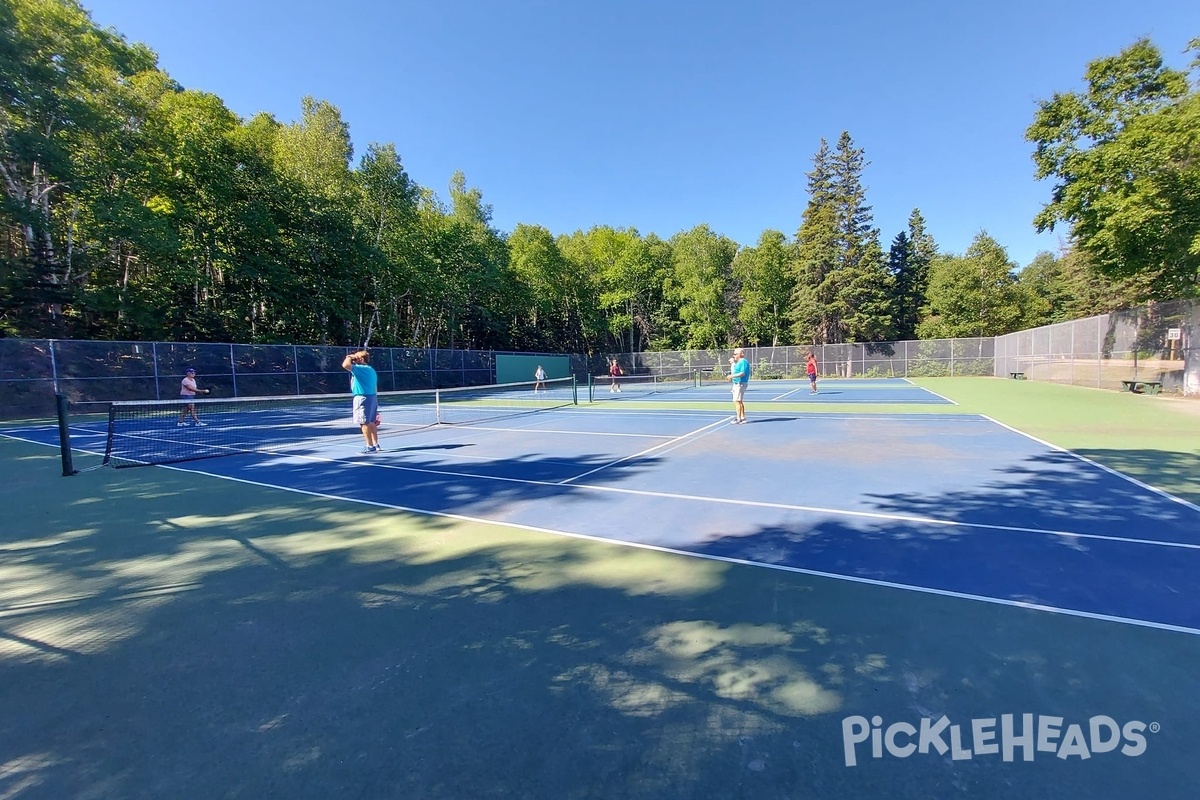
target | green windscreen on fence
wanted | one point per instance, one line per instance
(517, 369)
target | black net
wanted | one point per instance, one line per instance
(165, 432)
(606, 387)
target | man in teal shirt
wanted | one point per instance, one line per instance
(739, 376)
(363, 383)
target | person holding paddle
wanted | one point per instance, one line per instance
(739, 377)
(188, 392)
(614, 372)
(363, 383)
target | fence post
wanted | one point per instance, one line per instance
(952, 341)
(53, 365)
(1072, 324)
(233, 370)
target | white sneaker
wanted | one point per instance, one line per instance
(181, 424)
(201, 424)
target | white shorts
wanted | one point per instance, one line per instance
(739, 392)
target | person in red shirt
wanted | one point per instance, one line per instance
(811, 368)
(614, 371)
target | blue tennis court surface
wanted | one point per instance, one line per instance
(833, 390)
(952, 504)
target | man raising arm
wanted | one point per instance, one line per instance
(363, 383)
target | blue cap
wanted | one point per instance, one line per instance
(190, 371)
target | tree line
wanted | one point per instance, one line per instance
(135, 208)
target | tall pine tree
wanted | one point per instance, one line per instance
(843, 290)
(908, 264)
(817, 255)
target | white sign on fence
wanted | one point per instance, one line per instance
(1173, 334)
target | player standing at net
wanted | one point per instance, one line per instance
(811, 368)
(614, 372)
(739, 376)
(540, 380)
(363, 385)
(188, 392)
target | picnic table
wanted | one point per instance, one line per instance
(1142, 387)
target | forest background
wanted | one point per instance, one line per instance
(134, 208)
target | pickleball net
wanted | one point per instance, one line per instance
(600, 387)
(145, 432)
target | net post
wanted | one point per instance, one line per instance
(591, 382)
(64, 436)
(574, 391)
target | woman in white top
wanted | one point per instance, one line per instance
(188, 391)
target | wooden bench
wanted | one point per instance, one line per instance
(1139, 387)
(1017, 376)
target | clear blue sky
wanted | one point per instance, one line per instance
(665, 115)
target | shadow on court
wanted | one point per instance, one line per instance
(1177, 470)
(163, 634)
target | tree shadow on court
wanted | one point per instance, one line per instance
(164, 635)
(1176, 472)
(1052, 531)
(1054, 491)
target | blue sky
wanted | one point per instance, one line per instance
(664, 115)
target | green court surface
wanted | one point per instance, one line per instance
(169, 634)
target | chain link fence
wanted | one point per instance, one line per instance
(909, 359)
(1154, 342)
(1151, 342)
(33, 370)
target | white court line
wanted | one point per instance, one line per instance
(935, 394)
(687, 438)
(785, 394)
(680, 441)
(724, 559)
(1098, 465)
(566, 433)
(19, 609)
(677, 441)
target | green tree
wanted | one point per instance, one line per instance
(387, 210)
(549, 317)
(818, 255)
(702, 269)
(63, 88)
(313, 154)
(908, 264)
(972, 295)
(625, 275)
(1125, 157)
(766, 279)
(843, 289)
(1087, 291)
(1045, 292)
(479, 290)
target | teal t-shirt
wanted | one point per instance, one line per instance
(741, 371)
(363, 379)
